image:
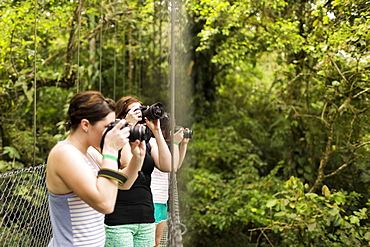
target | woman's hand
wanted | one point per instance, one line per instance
(179, 136)
(133, 116)
(116, 138)
(153, 125)
(138, 148)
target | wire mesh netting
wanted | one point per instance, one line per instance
(24, 208)
(25, 215)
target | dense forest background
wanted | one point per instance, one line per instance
(276, 93)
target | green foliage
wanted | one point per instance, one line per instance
(302, 218)
(301, 107)
(19, 128)
(226, 196)
(11, 152)
(107, 46)
(6, 166)
(279, 92)
(224, 210)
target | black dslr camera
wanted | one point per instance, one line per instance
(152, 112)
(136, 132)
(187, 133)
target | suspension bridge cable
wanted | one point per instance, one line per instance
(114, 56)
(175, 238)
(123, 60)
(172, 75)
(100, 49)
(138, 64)
(114, 64)
(172, 93)
(35, 84)
(78, 46)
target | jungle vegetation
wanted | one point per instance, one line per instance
(277, 94)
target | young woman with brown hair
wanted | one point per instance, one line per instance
(81, 190)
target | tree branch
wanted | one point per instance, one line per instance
(323, 161)
(363, 91)
(341, 168)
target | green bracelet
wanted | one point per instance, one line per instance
(111, 157)
(176, 143)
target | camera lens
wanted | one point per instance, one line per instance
(153, 112)
(188, 134)
(137, 133)
(157, 111)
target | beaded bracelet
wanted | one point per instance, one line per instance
(176, 143)
(111, 157)
(108, 173)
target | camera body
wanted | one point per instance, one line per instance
(153, 112)
(187, 132)
(136, 132)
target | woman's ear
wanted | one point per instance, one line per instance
(85, 125)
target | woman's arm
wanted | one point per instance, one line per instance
(138, 150)
(68, 171)
(177, 141)
(183, 148)
(159, 149)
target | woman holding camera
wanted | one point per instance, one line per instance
(76, 182)
(132, 221)
(160, 181)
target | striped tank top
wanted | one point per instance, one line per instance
(74, 222)
(159, 186)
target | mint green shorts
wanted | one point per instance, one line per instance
(130, 235)
(160, 212)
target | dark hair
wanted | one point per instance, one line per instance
(166, 125)
(90, 105)
(123, 103)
